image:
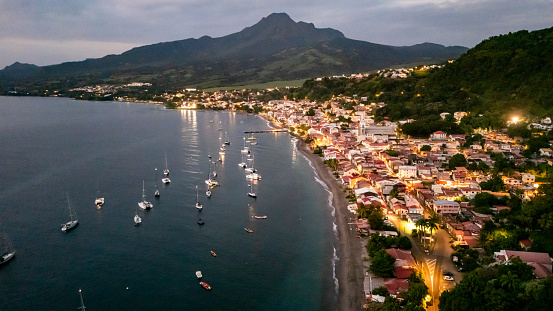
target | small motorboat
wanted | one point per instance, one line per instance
(205, 285)
(201, 222)
(260, 217)
(248, 230)
(213, 254)
(199, 274)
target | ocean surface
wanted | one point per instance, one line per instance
(51, 148)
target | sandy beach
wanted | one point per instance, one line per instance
(349, 269)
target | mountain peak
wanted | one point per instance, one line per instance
(279, 26)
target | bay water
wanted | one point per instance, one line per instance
(51, 148)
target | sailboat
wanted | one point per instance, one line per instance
(145, 205)
(9, 251)
(166, 170)
(99, 201)
(156, 193)
(209, 181)
(246, 149)
(227, 142)
(82, 301)
(250, 169)
(137, 219)
(68, 226)
(208, 192)
(251, 193)
(198, 204)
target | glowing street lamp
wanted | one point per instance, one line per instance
(515, 120)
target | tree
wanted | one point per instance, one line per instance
(426, 148)
(457, 160)
(382, 264)
(432, 223)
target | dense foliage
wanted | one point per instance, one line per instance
(503, 287)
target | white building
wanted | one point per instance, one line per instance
(407, 171)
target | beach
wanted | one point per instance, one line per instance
(349, 268)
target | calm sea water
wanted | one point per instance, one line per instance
(50, 147)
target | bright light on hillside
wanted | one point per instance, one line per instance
(515, 119)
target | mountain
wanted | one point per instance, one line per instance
(276, 48)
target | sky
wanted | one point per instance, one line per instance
(45, 32)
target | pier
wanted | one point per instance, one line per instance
(266, 131)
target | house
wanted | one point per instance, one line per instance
(541, 262)
(438, 135)
(528, 179)
(396, 286)
(407, 171)
(446, 207)
(546, 152)
(404, 264)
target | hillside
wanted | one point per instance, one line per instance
(501, 76)
(276, 48)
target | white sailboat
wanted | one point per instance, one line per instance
(251, 193)
(9, 251)
(210, 181)
(145, 205)
(166, 170)
(99, 200)
(227, 142)
(68, 226)
(246, 149)
(253, 176)
(251, 169)
(156, 193)
(208, 192)
(198, 204)
(137, 219)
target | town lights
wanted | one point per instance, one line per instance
(515, 120)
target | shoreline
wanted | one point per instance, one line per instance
(349, 266)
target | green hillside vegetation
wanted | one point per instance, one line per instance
(501, 76)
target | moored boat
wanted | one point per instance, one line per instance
(205, 285)
(70, 225)
(213, 254)
(201, 222)
(9, 251)
(248, 230)
(260, 217)
(145, 205)
(199, 274)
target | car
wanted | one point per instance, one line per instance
(448, 276)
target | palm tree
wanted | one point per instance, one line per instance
(422, 224)
(432, 223)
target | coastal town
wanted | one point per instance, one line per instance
(425, 210)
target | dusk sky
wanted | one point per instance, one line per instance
(44, 32)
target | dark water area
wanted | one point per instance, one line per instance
(51, 147)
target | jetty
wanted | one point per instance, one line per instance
(266, 131)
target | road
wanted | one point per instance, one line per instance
(434, 263)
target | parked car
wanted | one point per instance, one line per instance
(448, 276)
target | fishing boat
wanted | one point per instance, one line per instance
(156, 193)
(205, 285)
(201, 222)
(68, 226)
(227, 142)
(9, 251)
(145, 205)
(251, 193)
(166, 170)
(213, 254)
(260, 217)
(199, 274)
(198, 204)
(248, 230)
(166, 180)
(99, 200)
